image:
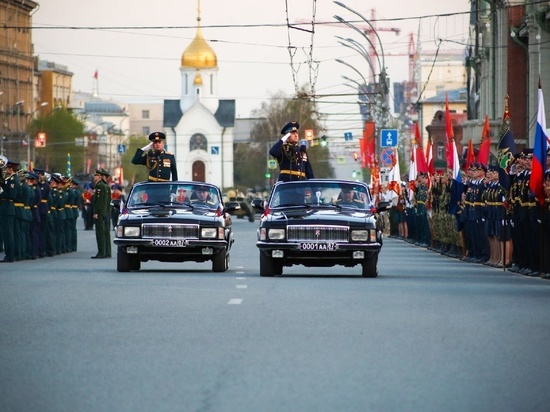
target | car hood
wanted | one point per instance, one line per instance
(320, 216)
(158, 214)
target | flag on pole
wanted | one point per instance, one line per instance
(536, 181)
(68, 164)
(453, 163)
(506, 148)
(96, 75)
(470, 155)
(485, 145)
(430, 157)
(421, 165)
(394, 176)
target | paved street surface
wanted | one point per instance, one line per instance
(431, 333)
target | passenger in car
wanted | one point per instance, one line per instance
(348, 198)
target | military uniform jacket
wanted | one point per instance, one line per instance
(35, 203)
(160, 165)
(293, 164)
(101, 201)
(11, 188)
(43, 207)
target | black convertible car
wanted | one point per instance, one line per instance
(173, 222)
(319, 223)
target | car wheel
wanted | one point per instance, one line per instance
(220, 263)
(251, 218)
(123, 263)
(135, 262)
(369, 267)
(268, 267)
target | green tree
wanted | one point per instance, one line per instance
(250, 160)
(62, 128)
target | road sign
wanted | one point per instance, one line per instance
(215, 150)
(388, 137)
(121, 148)
(272, 164)
(348, 136)
(386, 157)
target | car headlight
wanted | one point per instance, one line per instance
(276, 234)
(359, 235)
(209, 232)
(131, 231)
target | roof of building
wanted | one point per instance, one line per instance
(225, 115)
(102, 107)
(455, 96)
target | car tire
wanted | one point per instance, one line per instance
(268, 267)
(369, 269)
(220, 263)
(123, 263)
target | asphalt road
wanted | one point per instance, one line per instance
(431, 333)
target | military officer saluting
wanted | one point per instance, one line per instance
(160, 163)
(292, 158)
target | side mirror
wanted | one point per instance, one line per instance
(383, 206)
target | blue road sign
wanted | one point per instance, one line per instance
(348, 136)
(121, 148)
(215, 150)
(388, 137)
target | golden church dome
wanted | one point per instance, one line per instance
(199, 54)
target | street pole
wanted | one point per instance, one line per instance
(28, 136)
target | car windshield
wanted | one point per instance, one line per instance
(329, 194)
(183, 194)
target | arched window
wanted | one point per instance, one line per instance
(198, 142)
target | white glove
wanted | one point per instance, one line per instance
(148, 147)
(285, 137)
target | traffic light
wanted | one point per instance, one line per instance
(355, 156)
(268, 175)
(323, 141)
(309, 135)
(40, 140)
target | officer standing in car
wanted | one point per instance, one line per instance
(292, 158)
(160, 164)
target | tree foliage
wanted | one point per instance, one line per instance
(251, 158)
(61, 128)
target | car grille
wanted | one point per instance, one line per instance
(170, 231)
(317, 233)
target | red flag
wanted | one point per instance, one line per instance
(95, 75)
(430, 158)
(450, 136)
(485, 145)
(421, 165)
(470, 155)
(368, 153)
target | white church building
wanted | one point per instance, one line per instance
(199, 126)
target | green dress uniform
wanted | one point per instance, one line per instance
(160, 164)
(101, 205)
(10, 190)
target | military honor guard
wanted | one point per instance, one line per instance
(101, 205)
(10, 190)
(160, 164)
(292, 158)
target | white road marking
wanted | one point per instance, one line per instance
(235, 301)
(240, 272)
(240, 278)
(242, 286)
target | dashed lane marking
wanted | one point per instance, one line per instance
(242, 286)
(235, 301)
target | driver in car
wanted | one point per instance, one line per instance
(203, 197)
(347, 198)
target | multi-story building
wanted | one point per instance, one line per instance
(18, 101)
